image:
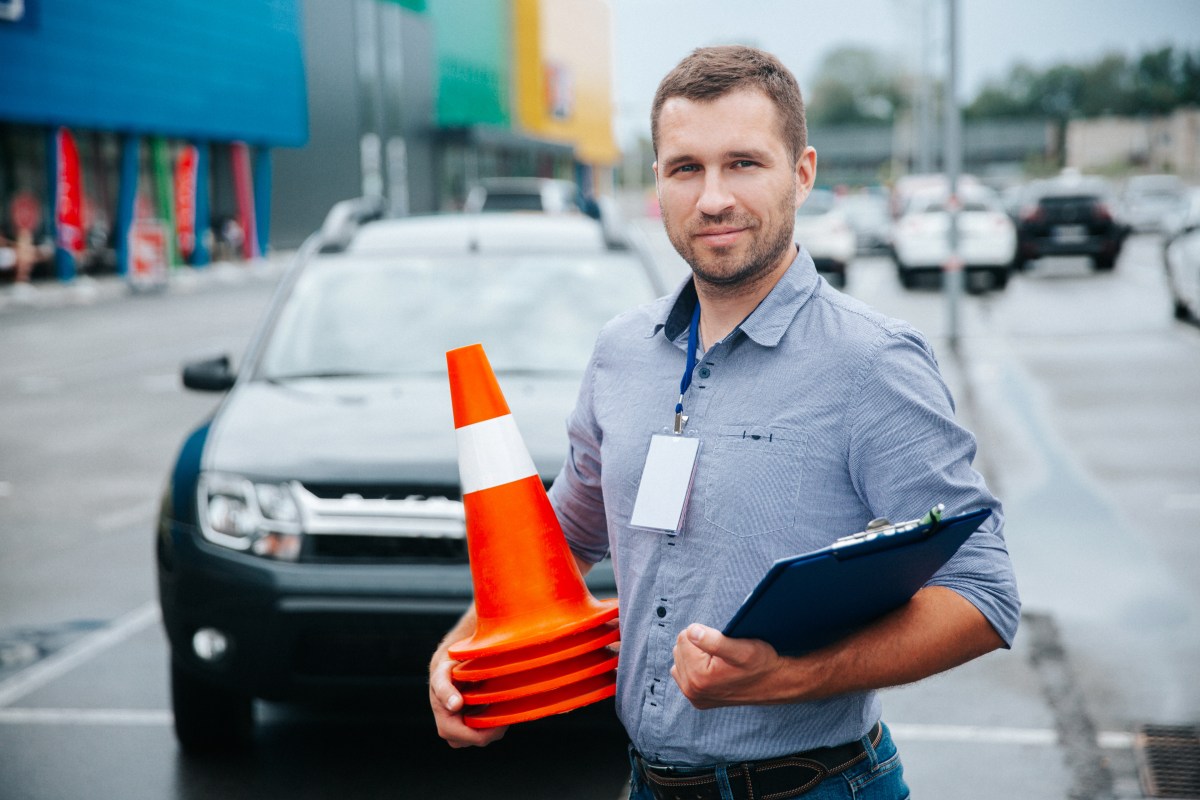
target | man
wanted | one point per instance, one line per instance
(814, 414)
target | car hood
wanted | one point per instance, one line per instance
(372, 431)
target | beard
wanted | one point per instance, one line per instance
(726, 269)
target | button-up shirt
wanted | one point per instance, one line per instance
(815, 415)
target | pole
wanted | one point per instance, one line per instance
(953, 268)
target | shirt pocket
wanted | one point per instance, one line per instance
(754, 479)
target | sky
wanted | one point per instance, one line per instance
(651, 36)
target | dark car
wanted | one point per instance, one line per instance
(311, 538)
(1069, 216)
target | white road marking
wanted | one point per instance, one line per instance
(149, 717)
(991, 734)
(55, 666)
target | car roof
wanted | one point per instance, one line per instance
(480, 234)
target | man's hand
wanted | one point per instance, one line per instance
(447, 706)
(445, 699)
(714, 670)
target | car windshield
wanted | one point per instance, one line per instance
(388, 316)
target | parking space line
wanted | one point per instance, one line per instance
(85, 716)
(941, 734)
(55, 666)
(991, 734)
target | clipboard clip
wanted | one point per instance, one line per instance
(881, 526)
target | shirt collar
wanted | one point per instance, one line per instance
(766, 323)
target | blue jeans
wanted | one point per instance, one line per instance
(880, 776)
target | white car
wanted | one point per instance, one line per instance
(826, 234)
(987, 238)
(1182, 258)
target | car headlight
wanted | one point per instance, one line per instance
(260, 518)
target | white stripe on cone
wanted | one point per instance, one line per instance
(492, 453)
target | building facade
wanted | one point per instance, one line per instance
(144, 118)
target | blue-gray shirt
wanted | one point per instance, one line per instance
(815, 415)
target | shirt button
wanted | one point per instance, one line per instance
(661, 611)
(705, 372)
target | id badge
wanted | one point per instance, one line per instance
(666, 483)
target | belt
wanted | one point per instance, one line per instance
(769, 779)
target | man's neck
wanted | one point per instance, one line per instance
(722, 308)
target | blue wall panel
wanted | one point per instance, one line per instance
(197, 69)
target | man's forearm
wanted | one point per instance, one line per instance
(937, 630)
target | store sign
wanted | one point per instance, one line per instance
(68, 203)
(185, 199)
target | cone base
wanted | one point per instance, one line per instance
(489, 643)
(558, 701)
(527, 658)
(540, 680)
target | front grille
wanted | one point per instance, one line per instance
(397, 549)
(381, 523)
(384, 491)
(1169, 760)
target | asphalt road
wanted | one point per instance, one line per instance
(1080, 387)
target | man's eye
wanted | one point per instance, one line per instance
(743, 163)
(688, 168)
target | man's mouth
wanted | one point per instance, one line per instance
(720, 236)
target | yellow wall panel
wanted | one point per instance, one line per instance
(563, 65)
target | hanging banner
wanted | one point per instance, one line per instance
(185, 200)
(68, 198)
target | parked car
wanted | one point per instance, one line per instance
(824, 231)
(311, 537)
(1071, 215)
(868, 215)
(1181, 255)
(1148, 200)
(545, 195)
(987, 239)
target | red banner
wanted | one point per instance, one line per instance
(68, 202)
(243, 190)
(185, 200)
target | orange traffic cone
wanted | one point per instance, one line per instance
(539, 646)
(528, 590)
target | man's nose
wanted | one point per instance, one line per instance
(716, 197)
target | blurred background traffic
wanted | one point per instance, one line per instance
(198, 132)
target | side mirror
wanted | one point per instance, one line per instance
(210, 375)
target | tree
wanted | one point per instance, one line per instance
(857, 85)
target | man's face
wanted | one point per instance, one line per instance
(728, 187)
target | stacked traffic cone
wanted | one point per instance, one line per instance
(539, 646)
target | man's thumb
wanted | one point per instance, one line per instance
(711, 641)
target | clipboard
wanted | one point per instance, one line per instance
(808, 601)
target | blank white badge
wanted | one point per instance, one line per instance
(666, 482)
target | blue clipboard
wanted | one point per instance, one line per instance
(808, 601)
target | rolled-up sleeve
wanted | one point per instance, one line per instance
(907, 451)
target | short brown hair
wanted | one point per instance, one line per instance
(708, 73)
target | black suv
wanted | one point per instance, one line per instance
(311, 540)
(1069, 216)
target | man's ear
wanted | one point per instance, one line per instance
(657, 189)
(806, 174)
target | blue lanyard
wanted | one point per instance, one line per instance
(693, 342)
